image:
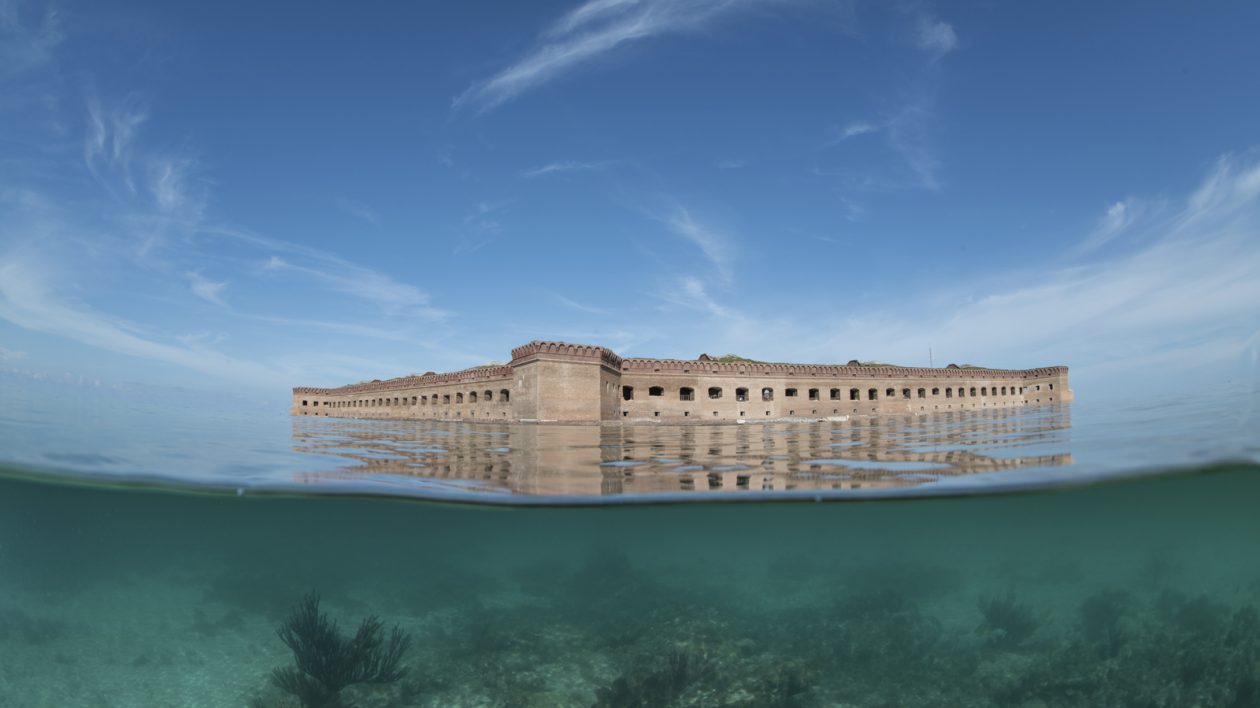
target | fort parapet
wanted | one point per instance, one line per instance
(558, 382)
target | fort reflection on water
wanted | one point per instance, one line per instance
(594, 460)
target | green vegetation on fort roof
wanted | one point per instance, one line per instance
(737, 359)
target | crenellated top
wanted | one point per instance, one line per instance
(565, 350)
(747, 368)
(474, 375)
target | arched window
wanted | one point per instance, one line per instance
(715, 392)
(686, 394)
(962, 392)
(504, 395)
(813, 394)
(835, 394)
(854, 395)
(472, 397)
(905, 393)
(488, 396)
(923, 393)
(424, 400)
(767, 394)
(872, 394)
(446, 398)
(790, 393)
(1003, 390)
(459, 398)
(741, 394)
(973, 391)
(656, 391)
(890, 393)
(949, 393)
(627, 393)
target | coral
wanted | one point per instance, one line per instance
(1007, 622)
(1101, 616)
(1191, 615)
(875, 629)
(327, 662)
(786, 686)
(659, 684)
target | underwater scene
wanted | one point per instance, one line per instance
(1138, 593)
(1034, 557)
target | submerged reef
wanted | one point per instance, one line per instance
(326, 662)
(679, 646)
(612, 634)
(609, 630)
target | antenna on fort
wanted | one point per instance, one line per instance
(931, 361)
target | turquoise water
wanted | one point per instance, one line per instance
(1083, 555)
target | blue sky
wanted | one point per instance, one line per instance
(268, 194)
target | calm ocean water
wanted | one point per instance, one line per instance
(1080, 555)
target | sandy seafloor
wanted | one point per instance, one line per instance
(1133, 593)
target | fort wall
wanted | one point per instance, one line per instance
(573, 383)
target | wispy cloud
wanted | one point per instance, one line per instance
(11, 354)
(149, 226)
(173, 188)
(588, 33)
(359, 210)
(716, 247)
(934, 36)
(906, 135)
(112, 155)
(852, 130)
(853, 211)
(392, 296)
(730, 163)
(480, 227)
(107, 147)
(575, 305)
(566, 166)
(206, 289)
(24, 46)
(27, 299)
(691, 292)
(1118, 219)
